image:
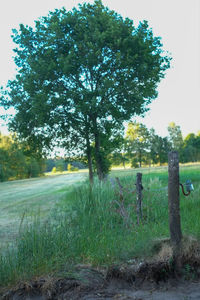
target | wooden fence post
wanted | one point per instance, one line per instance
(174, 208)
(139, 189)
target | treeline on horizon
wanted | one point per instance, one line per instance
(143, 147)
(139, 147)
(19, 161)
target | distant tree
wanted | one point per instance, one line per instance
(159, 148)
(16, 160)
(119, 158)
(175, 136)
(5, 171)
(60, 165)
(12, 160)
(78, 164)
(33, 167)
(49, 164)
(197, 145)
(81, 74)
(191, 148)
(137, 142)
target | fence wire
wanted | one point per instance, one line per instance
(115, 182)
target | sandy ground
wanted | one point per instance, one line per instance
(28, 196)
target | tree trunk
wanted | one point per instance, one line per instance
(98, 157)
(123, 162)
(89, 152)
(89, 158)
(140, 158)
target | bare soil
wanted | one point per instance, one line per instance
(117, 283)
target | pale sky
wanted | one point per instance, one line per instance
(176, 21)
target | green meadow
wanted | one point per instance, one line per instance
(94, 225)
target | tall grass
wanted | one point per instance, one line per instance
(89, 228)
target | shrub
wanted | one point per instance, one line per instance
(54, 170)
(71, 168)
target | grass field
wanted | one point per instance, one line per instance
(29, 197)
(86, 225)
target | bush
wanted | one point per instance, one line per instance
(71, 168)
(75, 169)
(54, 170)
(60, 168)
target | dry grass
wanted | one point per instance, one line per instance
(190, 250)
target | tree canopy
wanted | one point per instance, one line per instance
(81, 74)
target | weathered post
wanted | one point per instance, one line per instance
(174, 208)
(139, 189)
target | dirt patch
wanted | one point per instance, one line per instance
(129, 281)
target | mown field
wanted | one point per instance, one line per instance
(21, 199)
(94, 225)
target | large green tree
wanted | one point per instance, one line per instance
(81, 73)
